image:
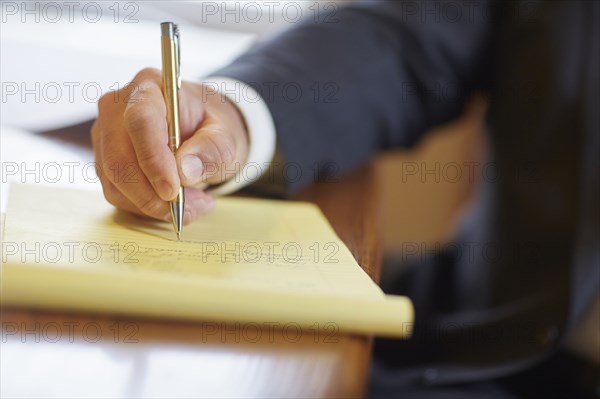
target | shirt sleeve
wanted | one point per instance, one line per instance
(260, 128)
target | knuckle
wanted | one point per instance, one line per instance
(106, 102)
(148, 73)
(224, 148)
(136, 117)
(149, 158)
(112, 158)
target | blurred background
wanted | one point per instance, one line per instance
(102, 48)
(104, 45)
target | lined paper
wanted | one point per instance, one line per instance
(250, 260)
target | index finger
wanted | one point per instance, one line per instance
(145, 120)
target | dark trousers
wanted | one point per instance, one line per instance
(503, 352)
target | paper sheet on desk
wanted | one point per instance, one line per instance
(249, 261)
(36, 159)
(54, 71)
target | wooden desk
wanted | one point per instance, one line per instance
(58, 354)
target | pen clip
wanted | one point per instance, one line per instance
(177, 54)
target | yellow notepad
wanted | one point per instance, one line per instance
(251, 260)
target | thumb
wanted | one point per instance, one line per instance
(209, 156)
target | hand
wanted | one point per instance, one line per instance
(138, 171)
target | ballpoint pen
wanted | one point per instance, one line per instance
(171, 83)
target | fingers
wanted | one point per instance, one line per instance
(145, 121)
(122, 182)
(206, 156)
(147, 128)
(198, 203)
(111, 192)
(217, 150)
(125, 182)
(138, 170)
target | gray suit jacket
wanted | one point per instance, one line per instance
(372, 76)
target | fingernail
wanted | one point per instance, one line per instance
(165, 190)
(191, 166)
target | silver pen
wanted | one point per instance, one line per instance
(171, 84)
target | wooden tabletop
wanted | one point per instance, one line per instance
(58, 354)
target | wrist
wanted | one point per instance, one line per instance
(255, 129)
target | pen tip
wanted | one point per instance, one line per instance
(178, 236)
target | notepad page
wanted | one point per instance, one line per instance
(251, 260)
(252, 242)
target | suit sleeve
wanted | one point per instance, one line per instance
(343, 85)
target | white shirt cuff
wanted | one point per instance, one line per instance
(260, 127)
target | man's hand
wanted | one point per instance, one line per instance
(138, 171)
